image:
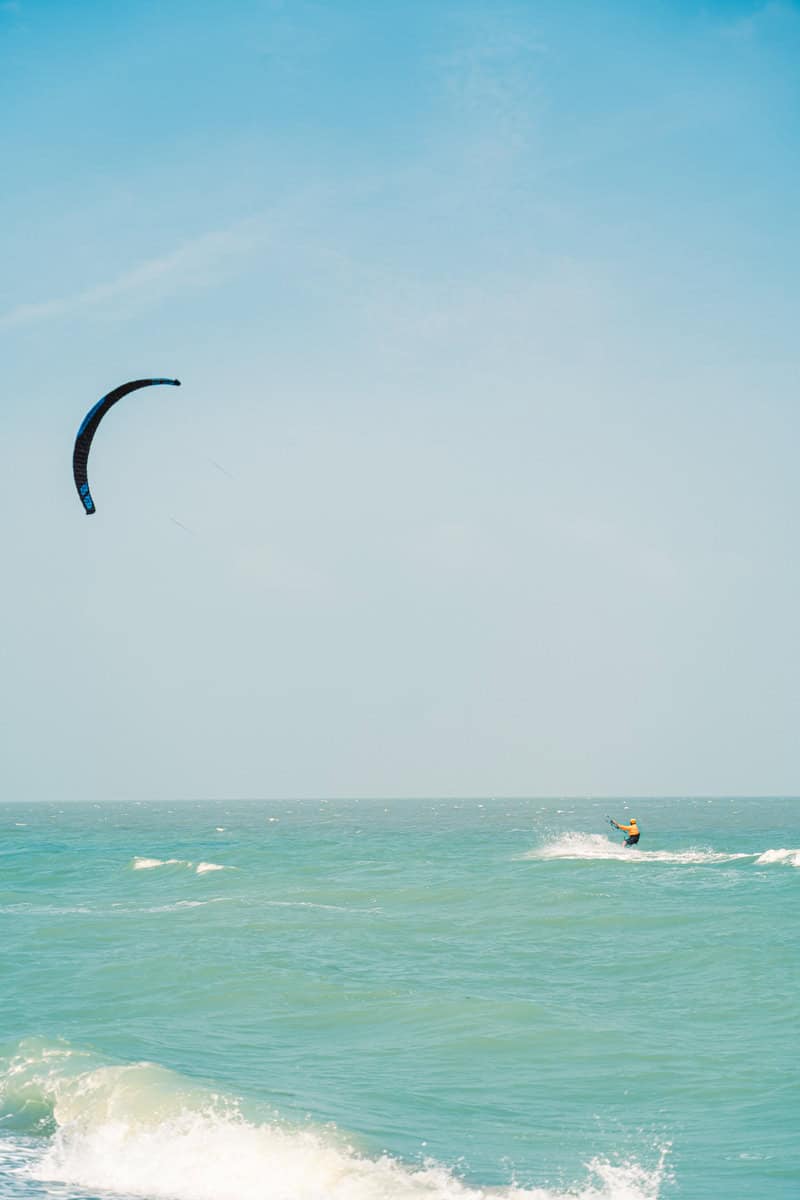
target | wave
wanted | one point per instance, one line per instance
(791, 857)
(597, 846)
(139, 1130)
(117, 908)
(148, 864)
(55, 910)
(315, 904)
(201, 868)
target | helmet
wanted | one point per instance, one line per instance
(633, 820)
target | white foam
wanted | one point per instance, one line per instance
(117, 908)
(148, 864)
(791, 857)
(596, 846)
(46, 909)
(142, 1131)
(198, 1157)
(315, 904)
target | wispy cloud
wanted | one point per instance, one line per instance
(492, 82)
(197, 264)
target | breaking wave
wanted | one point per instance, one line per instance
(139, 1130)
(790, 857)
(201, 868)
(148, 864)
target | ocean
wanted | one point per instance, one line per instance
(400, 1000)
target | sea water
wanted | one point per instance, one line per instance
(405, 1000)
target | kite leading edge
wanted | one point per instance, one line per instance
(83, 439)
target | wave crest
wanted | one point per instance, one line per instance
(791, 857)
(141, 1130)
(150, 864)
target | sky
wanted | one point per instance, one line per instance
(482, 478)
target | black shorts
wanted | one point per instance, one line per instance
(633, 839)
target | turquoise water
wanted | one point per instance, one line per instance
(417, 1000)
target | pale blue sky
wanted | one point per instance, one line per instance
(483, 475)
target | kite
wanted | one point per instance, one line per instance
(83, 440)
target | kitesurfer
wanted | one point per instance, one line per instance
(632, 831)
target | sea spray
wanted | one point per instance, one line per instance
(576, 845)
(141, 1130)
(789, 857)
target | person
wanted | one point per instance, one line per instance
(632, 831)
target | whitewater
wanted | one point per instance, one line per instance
(405, 1000)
